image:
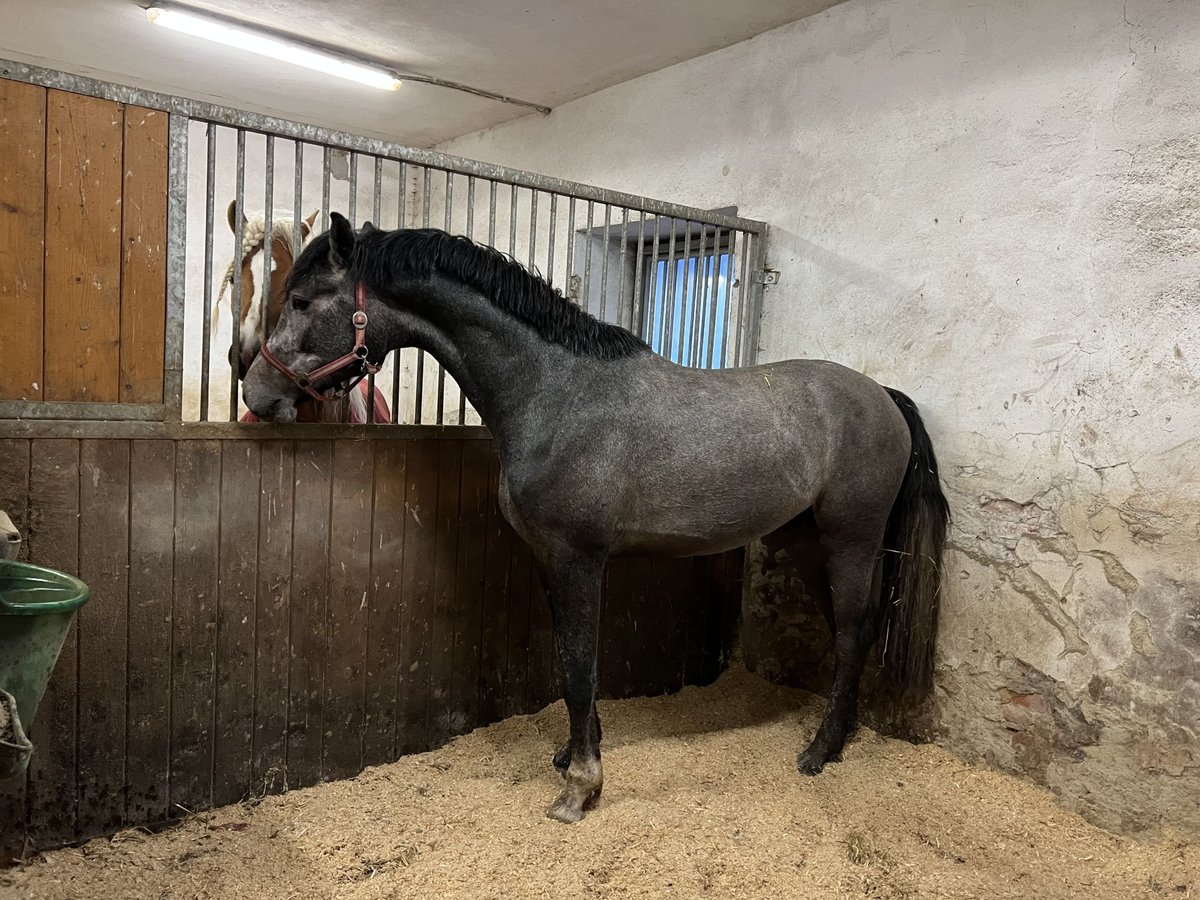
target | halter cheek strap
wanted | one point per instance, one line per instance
(357, 358)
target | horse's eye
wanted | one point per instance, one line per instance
(299, 304)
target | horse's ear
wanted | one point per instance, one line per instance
(367, 228)
(307, 224)
(341, 241)
(232, 217)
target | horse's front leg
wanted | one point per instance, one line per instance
(572, 581)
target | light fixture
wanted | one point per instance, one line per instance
(294, 52)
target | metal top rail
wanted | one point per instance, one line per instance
(270, 125)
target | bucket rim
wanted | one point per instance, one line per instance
(40, 575)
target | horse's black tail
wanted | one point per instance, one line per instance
(912, 563)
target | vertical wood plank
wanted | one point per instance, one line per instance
(151, 588)
(384, 603)
(471, 565)
(14, 498)
(237, 567)
(493, 653)
(193, 639)
(83, 248)
(54, 542)
(516, 681)
(420, 505)
(617, 626)
(310, 588)
(724, 615)
(22, 238)
(272, 626)
(350, 561)
(541, 688)
(441, 663)
(143, 257)
(101, 631)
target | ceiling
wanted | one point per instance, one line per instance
(544, 51)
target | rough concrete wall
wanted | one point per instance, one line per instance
(995, 208)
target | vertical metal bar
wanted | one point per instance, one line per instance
(758, 266)
(376, 212)
(743, 331)
(604, 264)
(570, 244)
(669, 294)
(177, 181)
(727, 346)
(268, 247)
(619, 319)
(512, 220)
(533, 205)
(210, 187)
(492, 214)
(325, 189)
(685, 312)
(297, 204)
(401, 216)
(655, 310)
(553, 228)
(352, 212)
(441, 370)
(402, 200)
(462, 397)
(636, 325)
(235, 302)
(697, 342)
(715, 296)
(418, 411)
(585, 296)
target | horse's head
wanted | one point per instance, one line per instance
(318, 326)
(261, 309)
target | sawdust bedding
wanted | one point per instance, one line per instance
(702, 800)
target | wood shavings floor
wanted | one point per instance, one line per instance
(702, 800)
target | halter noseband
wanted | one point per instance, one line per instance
(356, 357)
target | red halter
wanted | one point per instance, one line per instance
(356, 357)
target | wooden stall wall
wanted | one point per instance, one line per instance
(269, 614)
(83, 220)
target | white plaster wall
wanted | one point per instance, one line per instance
(995, 208)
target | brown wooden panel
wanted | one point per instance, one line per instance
(193, 639)
(412, 702)
(471, 531)
(101, 631)
(144, 256)
(235, 638)
(493, 651)
(54, 542)
(151, 588)
(617, 630)
(445, 563)
(310, 589)
(384, 604)
(14, 495)
(349, 571)
(516, 680)
(83, 248)
(542, 688)
(272, 628)
(22, 238)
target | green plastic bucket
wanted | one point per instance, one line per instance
(36, 606)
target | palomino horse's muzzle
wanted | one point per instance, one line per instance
(356, 361)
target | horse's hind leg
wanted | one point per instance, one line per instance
(572, 583)
(850, 566)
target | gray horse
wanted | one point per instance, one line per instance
(608, 449)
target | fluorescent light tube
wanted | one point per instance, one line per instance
(275, 48)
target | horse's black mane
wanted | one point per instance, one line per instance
(382, 257)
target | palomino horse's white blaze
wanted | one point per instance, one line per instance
(257, 298)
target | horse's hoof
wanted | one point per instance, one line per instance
(562, 759)
(568, 808)
(810, 763)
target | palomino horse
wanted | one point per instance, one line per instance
(254, 320)
(608, 449)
